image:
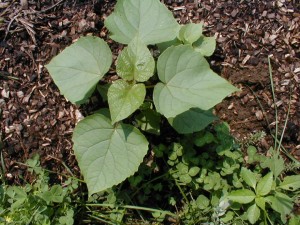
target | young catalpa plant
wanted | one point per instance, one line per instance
(108, 151)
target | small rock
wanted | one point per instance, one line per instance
(259, 115)
(5, 94)
(20, 94)
(271, 16)
(78, 115)
(234, 13)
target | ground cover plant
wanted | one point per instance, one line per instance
(38, 202)
(204, 179)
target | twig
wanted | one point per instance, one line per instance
(9, 76)
(9, 24)
(47, 9)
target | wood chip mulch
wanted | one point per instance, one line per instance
(35, 118)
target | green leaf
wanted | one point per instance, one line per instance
(19, 196)
(164, 45)
(187, 82)
(103, 89)
(249, 177)
(182, 168)
(55, 194)
(242, 196)
(261, 203)
(149, 120)
(77, 69)
(264, 185)
(150, 19)
(203, 139)
(67, 219)
(205, 45)
(124, 99)
(253, 214)
(192, 120)
(194, 171)
(251, 152)
(281, 203)
(135, 62)
(107, 155)
(185, 178)
(290, 183)
(275, 163)
(228, 216)
(189, 33)
(202, 202)
(295, 220)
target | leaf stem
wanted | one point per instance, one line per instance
(133, 207)
(181, 191)
(274, 100)
(285, 122)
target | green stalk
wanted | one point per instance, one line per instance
(2, 168)
(133, 207)
(182, 193)
(101, 220)
(285, 123)
(274, 100)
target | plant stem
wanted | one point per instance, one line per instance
(2, 167)
(181, 191)
(274, 100)
(134, 207)
(285, 123)
(102, 220)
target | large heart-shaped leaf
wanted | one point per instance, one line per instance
(77, 69)
(135, 62)
(150, 19)
(107, 155)
(124, 99)
(192, 120)
(187, 82)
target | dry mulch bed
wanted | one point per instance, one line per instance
(35, 118)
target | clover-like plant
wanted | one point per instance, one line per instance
(267, 191)
(185, 88)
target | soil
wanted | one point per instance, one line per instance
(35, 118)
